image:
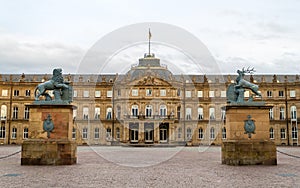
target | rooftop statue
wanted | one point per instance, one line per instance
(235, 91)
(62, 91)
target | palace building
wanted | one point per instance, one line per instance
(150, 105)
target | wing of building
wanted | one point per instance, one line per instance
(150, 105)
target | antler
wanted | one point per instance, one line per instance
(248, 70)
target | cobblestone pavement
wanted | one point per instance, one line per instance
(149, 167)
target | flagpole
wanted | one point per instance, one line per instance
(149, 40)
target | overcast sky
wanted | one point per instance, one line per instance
(36, 36)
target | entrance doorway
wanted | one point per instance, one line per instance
(134, 132)
(164, 132)
(149, 130)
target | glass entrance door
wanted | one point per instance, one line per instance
(134, 135)
(134, 132)
(164, 132)
(149, 132)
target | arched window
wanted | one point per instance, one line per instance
(134, 110)
(109, 113)
(148, 111)
(271, 133)
(189, 133)
(118, 112)
(3, 112)
(281, 113)
(14, 133)
(15, 112)
(200, 113)
(212, 115)
(85, 113)
(163, 110)
(293, 112)
(97, 113)
(26, 112)
(188, 113)
(212, 133)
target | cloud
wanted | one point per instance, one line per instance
(31, 55)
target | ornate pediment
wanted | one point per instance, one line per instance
(150, 81)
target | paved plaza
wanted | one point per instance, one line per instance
(149, 167)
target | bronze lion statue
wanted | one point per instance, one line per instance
(55, 83)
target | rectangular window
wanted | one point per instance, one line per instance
(109, 94)
(148, 92)
(97, 94)
(134, 92)
(223, 133)
(25, 133)
(86, 94)
(280, 93)
(163, 92)
(179, 132)
(292, 93)
(119, 92)
(73, 133)
(271, 133)
(27, 93)
(84, 133)
(199, 93)
(271, 116)
(200, 133)
(97, 135)
(2, 131)
(269, 93)
(4, 93)
(294, 133)
(16, 93)
(282, 133)
(188, 94)
(223, 93)
(211, 93)
(74, 93)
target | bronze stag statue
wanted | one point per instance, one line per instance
(235, 91)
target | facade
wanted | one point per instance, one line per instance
(150, 105)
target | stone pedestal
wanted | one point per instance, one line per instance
(58, 149)
(239, 148)
(49, 152)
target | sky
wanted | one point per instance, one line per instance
(37, 36)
